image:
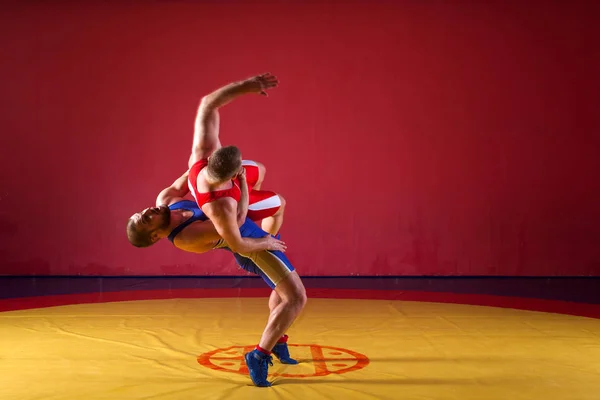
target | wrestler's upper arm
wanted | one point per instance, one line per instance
(206, 133)
(223, 214)
(178, 189)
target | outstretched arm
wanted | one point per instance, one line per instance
(206, 127)
(178, 189)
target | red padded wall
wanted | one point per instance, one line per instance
(409, 138)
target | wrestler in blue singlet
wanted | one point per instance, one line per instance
(187, 205)
(271, 265)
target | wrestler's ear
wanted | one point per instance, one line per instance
(154, 237)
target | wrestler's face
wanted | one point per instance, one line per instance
(153, 218)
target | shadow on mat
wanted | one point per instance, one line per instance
(400, 381)
(416, 359)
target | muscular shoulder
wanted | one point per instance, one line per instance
(220, 208)
(201, 184)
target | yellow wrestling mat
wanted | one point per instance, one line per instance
(349, 349)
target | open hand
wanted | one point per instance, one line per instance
(260, 83)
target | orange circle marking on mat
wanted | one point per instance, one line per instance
(354, 361)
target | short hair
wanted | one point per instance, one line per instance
(138, 236)
(224, 163)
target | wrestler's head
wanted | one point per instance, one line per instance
(224, 163)
(147, 227)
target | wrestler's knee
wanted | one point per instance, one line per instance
(274, 300)
(281, 208)
(292, 292)
(261, 172)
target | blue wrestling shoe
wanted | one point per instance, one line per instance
(282, 352)
(258, 366)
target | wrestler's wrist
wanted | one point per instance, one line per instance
(244, 86)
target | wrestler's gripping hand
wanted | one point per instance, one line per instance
(275, 244)
(241, 175)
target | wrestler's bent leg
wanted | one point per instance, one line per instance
(269, 207)
(273, 223)
(292, 299)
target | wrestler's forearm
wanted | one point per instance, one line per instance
(242, 210)
(249, 245)
(224, 95)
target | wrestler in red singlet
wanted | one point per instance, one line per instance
(203, 198)
(262, 204)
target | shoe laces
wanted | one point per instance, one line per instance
(267, 359)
